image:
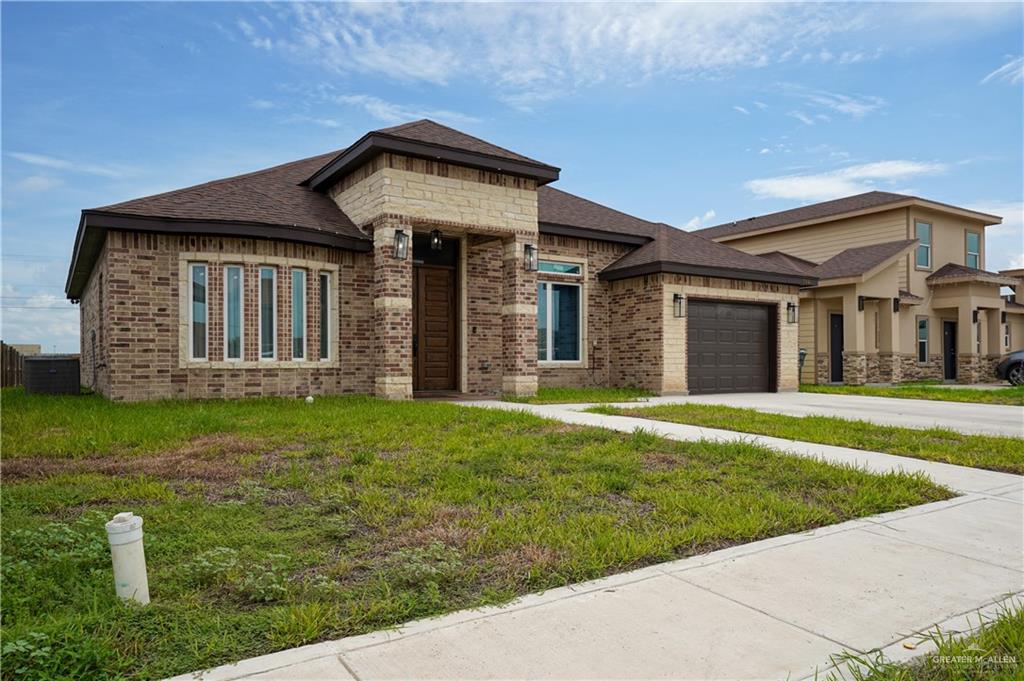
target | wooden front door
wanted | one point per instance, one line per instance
(434, 339)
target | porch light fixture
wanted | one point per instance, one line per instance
(435, 240)
(860, 303)
(530, 258)
(401, 244)
(895, 304)
(677, 305)
(792, 312)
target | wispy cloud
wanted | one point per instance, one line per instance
(856, 106)
(699, 221)
(262, 104)
(254, 38)
(802, 117)
(844, 181)
(37, 183)
(743, 111)
(314, 120)
(1011, 72)
(391, 112)
(56, 163)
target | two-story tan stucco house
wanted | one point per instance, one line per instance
(902, 290)
(418, 261)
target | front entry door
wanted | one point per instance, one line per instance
(949, 350)
(835, 347)
(433, 317)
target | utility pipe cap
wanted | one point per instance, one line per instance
(124, 528)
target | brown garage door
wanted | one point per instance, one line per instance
(730, 347)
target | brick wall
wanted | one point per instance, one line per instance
(636, 333)
(482, 325)
(92, 313)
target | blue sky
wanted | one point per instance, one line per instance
(686, 113)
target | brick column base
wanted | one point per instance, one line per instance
(968, 368)
(518, 322)
(890, 367)
(855, 368)
(822, 370)
(392, 315)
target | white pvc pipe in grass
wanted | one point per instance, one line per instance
(124, 532)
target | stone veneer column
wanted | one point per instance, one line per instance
(890, 367)
(392, 311)
(518, 321)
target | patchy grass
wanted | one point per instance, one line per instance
(934, 444)
(1013, 395)
(994, 652)
(273, 523)
(582, 395)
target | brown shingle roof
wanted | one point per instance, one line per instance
(952, 273)
(791, 261)
(271, 196)
(556, 207)
(909, 298)
(854, 262)
(429, 132)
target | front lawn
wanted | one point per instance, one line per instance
(582, 395)
(935, 444)
(273, 523)
(1009, 395)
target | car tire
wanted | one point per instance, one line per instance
(1015, 374)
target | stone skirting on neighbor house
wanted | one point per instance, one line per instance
(855, 368)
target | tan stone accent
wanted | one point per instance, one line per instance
(392, 303)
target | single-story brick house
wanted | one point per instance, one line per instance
(419, 260)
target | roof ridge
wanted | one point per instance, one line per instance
(421, 121)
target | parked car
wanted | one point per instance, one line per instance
(1011, 368)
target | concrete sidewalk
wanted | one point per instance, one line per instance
(965, 417)
(772, 609)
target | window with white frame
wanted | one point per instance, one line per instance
(922, 340)
(559, 322)
(567, 268)
(234, 303)
(977, 333)
(298, 314)
(198, 330)
(325, 316)
(1006, 336)
(923, 232)
(268, 312)
(973, 250)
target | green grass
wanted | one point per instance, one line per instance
(273, 523)
(994, 652)
(581, 395)
(922, 391)
(934, 444)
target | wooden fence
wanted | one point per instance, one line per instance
(12, 366)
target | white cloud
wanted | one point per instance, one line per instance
(699, 221)
(742, 110)
(254, 38)
(765, 150)
(761, 105)
(37, 183)
(391, 112)
(802, 117)
(55, 163)
(262, 104)
(845, 181)
(1011, 72)
(31, 317)
(314, 120)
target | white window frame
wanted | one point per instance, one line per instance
(977, 332)
(304, 319)
(259, 312)
(969, 252)
(926, 246)
(926, 341)
(192, 267)
(326, 332)
(550, 330)
(241, 312)
(575, 275)
(1006, 335)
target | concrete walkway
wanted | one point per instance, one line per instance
(965, 417)
(772, 609)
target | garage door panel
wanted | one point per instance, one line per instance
(730, 347)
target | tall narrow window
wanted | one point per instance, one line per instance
(298, 314)
(977, 335)
(923, 232)
(233, 300)
(1006, 336)
(197, 317)
(268, 312)
(325, 316)
(922, 340)
(559, 318)
(974, 250)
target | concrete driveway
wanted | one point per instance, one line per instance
(985, 419)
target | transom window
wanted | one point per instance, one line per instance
(298, 314)
(559, 322)
(922, 340)
(974, 250)
(552, 267)
(233, 311)
(268, 312)
(198, 329)
(923, 232)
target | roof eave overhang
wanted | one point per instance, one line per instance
(972, 279)
(94, 225)
(594, 234)
(872, 272)
(668, 267)
(375, 143)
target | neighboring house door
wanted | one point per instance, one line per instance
(730, 347)
(835, 348)
(434, 339)
(949, 350)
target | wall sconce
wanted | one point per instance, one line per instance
(974, 316)
(401, 244)
(678, 310)
(895, 304)
(792, 312)
(530, 258)
(435, 240)
(860, 303)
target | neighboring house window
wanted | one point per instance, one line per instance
(924, 248)
(922, 340)
(325, 316)
(268, 312)
(559, 322)
(977, 331)
(1006, 336)
(233, 306)
(974, 250)
(298, 314)
(197, 313)
(573, 269)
